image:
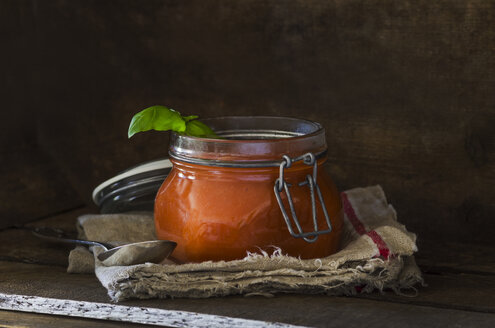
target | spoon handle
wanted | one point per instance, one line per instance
(56, 235)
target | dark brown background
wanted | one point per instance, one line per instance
(405, 89)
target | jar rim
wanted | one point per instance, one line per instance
(252, 140)
(316, 127)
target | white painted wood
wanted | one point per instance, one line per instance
(134, 314)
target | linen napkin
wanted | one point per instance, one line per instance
(376, 254)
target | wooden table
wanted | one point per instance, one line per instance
(460, 291)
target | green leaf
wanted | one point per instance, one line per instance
(158, 118)
(189, 118)
(196, 128)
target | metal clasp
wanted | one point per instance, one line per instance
(281, 184)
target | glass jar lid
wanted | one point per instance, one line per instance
(133, 189)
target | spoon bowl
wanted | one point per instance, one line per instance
(153, 251)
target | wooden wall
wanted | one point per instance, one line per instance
(405, 89)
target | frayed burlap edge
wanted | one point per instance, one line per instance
(348, 272)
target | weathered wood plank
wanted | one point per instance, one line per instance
(445, 256)
(21, 245)
(13, 319)
(351, 313)
(439, 297)
(49, 281)
(143, 315)
(469, 292)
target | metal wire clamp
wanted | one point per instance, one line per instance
(281, 184)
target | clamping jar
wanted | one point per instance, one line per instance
(261, 185)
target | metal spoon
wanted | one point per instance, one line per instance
(153, 251)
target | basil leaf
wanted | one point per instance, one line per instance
(197, 128)
(189, 118)
(158, 118)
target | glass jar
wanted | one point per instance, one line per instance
(254, 189)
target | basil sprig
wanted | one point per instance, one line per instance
(161, 118)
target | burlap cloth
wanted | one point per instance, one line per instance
(376, 254)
